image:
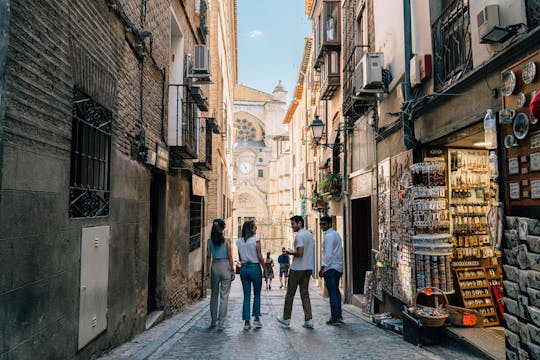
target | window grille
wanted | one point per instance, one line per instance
(452, 48)
(533, 13)
(90, 158)
(195, 222)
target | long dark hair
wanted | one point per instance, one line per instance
(218, 225)
(247, 229)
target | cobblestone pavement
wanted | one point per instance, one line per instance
(187, 335)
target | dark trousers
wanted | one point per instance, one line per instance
(298, 278)
(331, 279)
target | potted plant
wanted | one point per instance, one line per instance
(330, 183)
(318, 200)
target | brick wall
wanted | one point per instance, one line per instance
(55, 46)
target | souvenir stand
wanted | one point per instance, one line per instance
(432, 240)
(475, 264)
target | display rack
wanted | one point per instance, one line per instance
(475, 292)
(432, 242)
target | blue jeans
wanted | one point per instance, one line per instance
(251, 273)
(331, 279)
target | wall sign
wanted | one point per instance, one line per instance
(513, 166)
(535, 161)
(515, 190)
(535, 189)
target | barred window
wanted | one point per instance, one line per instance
(90, 158)
(261, 173)
(195, 222)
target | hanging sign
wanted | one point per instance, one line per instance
(198, 185)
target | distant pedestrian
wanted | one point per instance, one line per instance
(332, 268)
(249, 253)
(221, 272)
(284, 261)
(303, 266)
(269, 265)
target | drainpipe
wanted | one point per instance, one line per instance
(408, 125)
(346, 242)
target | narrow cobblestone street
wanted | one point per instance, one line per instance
(187, 336)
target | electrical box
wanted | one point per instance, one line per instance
(487, 19)
(94, 283)
(420, 69)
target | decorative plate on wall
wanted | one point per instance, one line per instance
(506, 116)
(509, 141)
(521, 99)
(508, 83)
(521, 126)
(529, 72)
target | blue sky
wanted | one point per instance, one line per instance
(270, 42)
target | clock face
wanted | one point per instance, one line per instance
(245, 167)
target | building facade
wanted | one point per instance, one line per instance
(261, 177)
(106, 157)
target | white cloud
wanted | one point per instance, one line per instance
(255, 34)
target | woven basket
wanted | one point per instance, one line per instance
(421, 310)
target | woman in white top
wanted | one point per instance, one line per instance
(249, 253)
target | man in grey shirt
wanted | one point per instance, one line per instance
(303, 266)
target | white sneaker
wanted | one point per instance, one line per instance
(283, 322)
(257, 323)
(247, 325)
(308, 324)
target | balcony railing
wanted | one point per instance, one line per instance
(533, 13)
(184, 121)
(452, 49)
(202, 10)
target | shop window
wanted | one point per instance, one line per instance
(90, 158)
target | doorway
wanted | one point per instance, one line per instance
(361, 242)
(157, 186)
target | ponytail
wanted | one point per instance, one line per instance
(216, 235)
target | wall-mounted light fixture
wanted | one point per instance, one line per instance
(500, 34)
(317, 131)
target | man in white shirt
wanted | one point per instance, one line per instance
(332, 268)
(303, 266)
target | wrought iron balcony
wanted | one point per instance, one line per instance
(452, 48)
(184, 122)
(205, 157)
(202, 29)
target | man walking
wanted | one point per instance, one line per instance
(332, 268)
(301, 269)
(284, 263)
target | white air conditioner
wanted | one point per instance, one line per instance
(201, 61)
(487, 19)
(368, 74)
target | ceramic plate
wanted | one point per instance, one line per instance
(506, 116)
(509, 141)
(521, 126)
(529, 72)
(521, 99)
(508, 83)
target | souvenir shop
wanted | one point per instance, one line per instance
(459, 229)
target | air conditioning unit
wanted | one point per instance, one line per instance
(368, 74)
(201, 61)
(487, 19)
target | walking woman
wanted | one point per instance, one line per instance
(249, 253)
(221, 272)
(269, 264)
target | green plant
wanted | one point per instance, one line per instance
(318, 199)
(331, 183)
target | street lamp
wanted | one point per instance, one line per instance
(317, 131)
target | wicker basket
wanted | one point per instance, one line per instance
(429, 316)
